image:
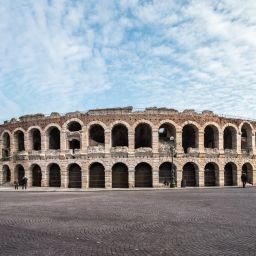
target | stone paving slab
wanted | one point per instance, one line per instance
(151, 222)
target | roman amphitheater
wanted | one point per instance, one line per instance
(126, 148)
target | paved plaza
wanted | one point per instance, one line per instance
(219, 221)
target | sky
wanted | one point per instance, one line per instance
(63, 56)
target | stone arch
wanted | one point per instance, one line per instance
(96, 135)
(53, 137)
(65, 126)
(36, 175)
(211, 174)
(54, 175)
(230, 174)
(248, 169)
(19, 173)
(211, 135)
(143, 135)
(6, 174)
(246, 131)
(230, 137)
(74, 176)
(143, 175)
(34, 137)
(165, 131)
(190, 174)
(6, 144)
(96, 175)
(19, 139)
(190, 136)
(165, 172)
(119, 175)
(119, 135)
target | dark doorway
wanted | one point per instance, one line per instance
(97, 176)
(119, 176)
(74, 144)
(210, 173)
(6, 174)
(36, 139)
(165, 132)
(74, 126)
(189, 135)
(20, 173)
(96, 135)
(143, 175)
(54, 138)
(247, 168)
(75, 176)
(19, 135)
(36, 176)
(6, 145)
(210, 137)
(54, 176)
(229, 174)
(143, 136)
(119, 136)
(189, 174)
(165, 172)
(229, 138)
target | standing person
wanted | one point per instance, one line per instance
(244, 179)
(16, 185)
(24, 182)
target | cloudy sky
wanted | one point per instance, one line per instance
(68, 55)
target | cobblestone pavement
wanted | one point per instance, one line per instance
(158, 222)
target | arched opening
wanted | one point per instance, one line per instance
(165, 173)
(189, 137)
(246, 137)
(54, 138)
(96, 135)
(230, 138)
(143, 136)
(36, 139)
(6, 145)
(19, 139)
(248, 169)
(75, 176)
(74, 144)
(143, 175)
(211, 137)
(210, 174)
(6, 174)
(230, 174)
(97, 176)
(19, 173)
(54, 176)
(165, 131)
(189, 174)
(74, 126)
(36, 176)
(119, 136)
(119, 176)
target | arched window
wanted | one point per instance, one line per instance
(211, 137)
(54, 138)
(119, 136)
(230, 138)
(6, 145)
(19, 139)
(96, 135)
(74, 126)
(189, 137)
(143, 136)
(35, 136)
(246, 137)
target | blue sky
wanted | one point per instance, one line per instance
(68, 55)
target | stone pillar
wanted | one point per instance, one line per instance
(131, 178)
(45, 176)
(179, 177)
(238, 143)
(1, 174)
(155, 178)
(253, 149)
(1, 148)
(64, 176)
(43, 142)
(107, 141)
(27, 142)
(254, 177)
(155, 141)
(201, 141)
(179, 148)
(238, 175)
(221, 143)
(200, 176)
(63, 141)
(131, 142)
(108, 179)
(85, 175)
(220, 178)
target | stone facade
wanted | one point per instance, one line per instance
(124, 148)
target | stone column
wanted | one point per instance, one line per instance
(64, 176)
(131, 142)
(108, 179)
(220, 178)
(253, 149)
(221, 143)
(43, 142)
(131, 178)
(1, 148)
(179, 148)
(238, 143)
(200, 176)
(85, 175)
(107, 141)
(201, 141)
(27, 142)
(1, 174)
(155, 141)
(155, 178)
(45, 176)
(179, 177)
(63, 141)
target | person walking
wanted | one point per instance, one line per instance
(16, 185)
(244, 179)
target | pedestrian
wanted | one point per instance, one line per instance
(25, 182)
(16, 185)
(244, 179)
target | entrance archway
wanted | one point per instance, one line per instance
(210, 174)
(119, 176)
(165, 172)
(54, 176)
(230, 174)
(189, 137)
(36, 176)
(75, 176)
(97, 176)
(143, 175)
(19, 173)
(6, 174)
(248, 169)
(189, 174)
